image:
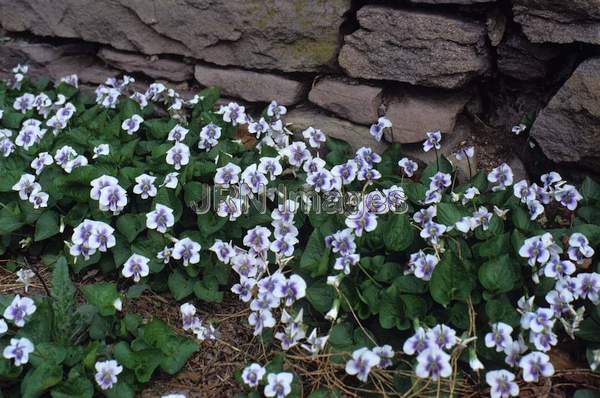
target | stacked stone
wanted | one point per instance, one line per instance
(422, 63)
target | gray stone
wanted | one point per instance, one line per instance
(266, 34)
(568, 129)
(251, 86)
(153, 67)
(347, 98)
(496, 26)
(523, 60)
(415, 47)
(414, 112)
(558, 21)
(54, 61)
(356, 135)
(452, 1)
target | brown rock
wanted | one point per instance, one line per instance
(356, 135)
(568, 129)
(523, 60)
(285, 35)
(414, 112)
(251, 86)
(153, 67)
(559, 21)
(451, 1)
(348, 99)
(415, 47)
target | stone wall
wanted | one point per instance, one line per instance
(340, 64)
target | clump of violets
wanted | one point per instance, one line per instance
(106, 373)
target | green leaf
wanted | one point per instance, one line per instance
(47, 225)
(209, 293)
(450, 281)
(398, 233)
(501, 310)
(493, 247)
(321, 296)
(131, 225)
(143, 362)
(177, 349)
(500, 274)
(590, 190)
(63, 301)
(101, 295)
(180, 286)
(587, 393)
(449, 213)
(315, 258)
(40, 379)
(74, 387)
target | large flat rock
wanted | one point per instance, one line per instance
(356, 135)
(54, 61)
(414, 112)
(558, 21)
(416, 47)
(287, 35)
(349, 99)
(252, 86)
(153, 67)
(523, 60)
(568, 129)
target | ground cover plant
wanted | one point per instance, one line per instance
(363, 270)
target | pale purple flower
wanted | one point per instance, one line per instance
(177, 133)
(253, 374)
(424, 216)
(432, 232)
(361, 363)
(161, 218)
(536, 365)
(233, 113)
(24, 103)
(568, 196)
(376, 129)
(282, 229)
(433, 363)
(99, 183)
(284, 245)
(170, 180)
(188, 316)
(270, 284)
(314, 136)
(385, 354)
(433, 141)
(244, 288)
(343, 242)
(291, 290)
(254, 179)
(83, 232)
(24, 276)
(535, 250)
(39, 199)
(417, 343)
(432, 196)
(27, 137)
(6, 147)
(260, 320)
(102, 237)
(559, 301)
(540, 320)
(245, 265)
(514, 350)
(187, 250)
(19, 309)
(26, 186)
(408, 166)
(440, 181)
(320, 180)
(132, 124)
(42, 160)
(136, 266)
(270, 167)
(588, 286)
(227, 175)
(501, 176)
(482, 217)
(82, 249)
(279, 385)
(112, 198)
(499, 337)
(275, 110)
(145, 186)
(296, 153)
(3, 327)
(518, 129)
(165, 254)
(315, 343)
(106, 373)
(544, 340)
(178, 155)
(346, 262)
(502, 384)
(550, 179)
(443, 336)
(209, 136)
(257, 238)
(346, 171)
(230, 207)
(522, 191)
(361, 221)
(258, 128)
(224, 251)
(465, 152)
(557, 268)
(19, 350)
(424, 266)
(535, 209)
(579, 248)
